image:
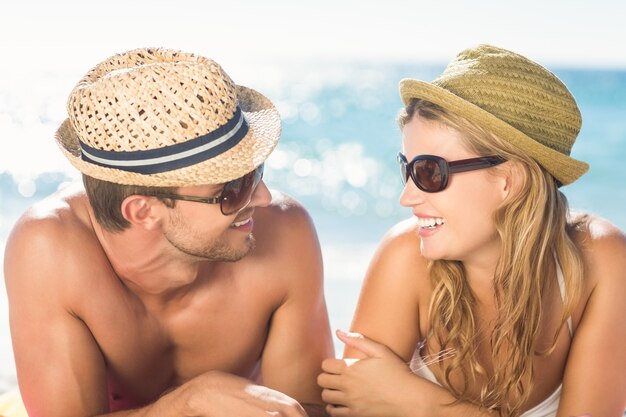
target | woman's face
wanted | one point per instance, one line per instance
(462, 213)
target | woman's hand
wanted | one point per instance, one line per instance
(381, 384)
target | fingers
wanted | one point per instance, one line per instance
(280, 404)
(329, 381)
(228, 395)
(336, 401)
(363, 344)
(291, 412)
(296, 410)
(334, 397)
(282, 414)
(337, 411)
(283, 411)
(333, 366)
(332, 393)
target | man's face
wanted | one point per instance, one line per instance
(202, 231)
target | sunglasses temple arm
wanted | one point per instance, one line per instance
(455, 168)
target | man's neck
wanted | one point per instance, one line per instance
(147, 263)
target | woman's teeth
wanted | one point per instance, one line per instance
(430, 222)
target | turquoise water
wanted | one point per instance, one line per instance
(336, 155)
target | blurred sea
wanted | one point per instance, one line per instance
(336, 155)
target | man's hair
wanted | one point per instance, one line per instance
(535, 228)
(106, 200)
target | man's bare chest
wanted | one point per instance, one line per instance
(148, 351)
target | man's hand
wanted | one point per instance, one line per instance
(218, 394)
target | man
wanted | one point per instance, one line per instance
(176, 284)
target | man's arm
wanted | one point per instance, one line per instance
(219, 394)
(299, 336)
(60, 369)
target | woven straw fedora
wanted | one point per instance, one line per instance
(512, 97)
(159, 117)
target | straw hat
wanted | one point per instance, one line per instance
(159, 117)
(512, 97)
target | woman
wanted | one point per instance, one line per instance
(493, 299)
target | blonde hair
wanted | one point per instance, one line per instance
(534, 231)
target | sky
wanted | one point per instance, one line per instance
(69, 34)
(46, 46)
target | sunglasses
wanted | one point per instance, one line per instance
(430, 173)
(235, 196)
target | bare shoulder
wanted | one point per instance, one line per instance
(398, 265)
(600, 240)
(603, 249)
(39, 227)
(400, 251)
(402, 237)
(398, 269)
(396, 290)
(50, 219)
(287, 242)
(45, 238)
(598, 348)
(603, 232)
(285, 207)
(284, 221)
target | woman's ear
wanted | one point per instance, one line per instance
(514, 175)
(142, 211)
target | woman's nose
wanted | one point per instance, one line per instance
(411, 195)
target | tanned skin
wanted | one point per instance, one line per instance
(140, 323)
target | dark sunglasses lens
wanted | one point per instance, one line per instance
(237, 193)
(427, 175)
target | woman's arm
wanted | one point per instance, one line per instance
(388, 310)
(381, 384)
(595, 374)
(391, 318)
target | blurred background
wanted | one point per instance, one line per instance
(332, 69)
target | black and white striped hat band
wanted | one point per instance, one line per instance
(175, 156)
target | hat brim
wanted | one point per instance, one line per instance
(264, 131)
(564, 168)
